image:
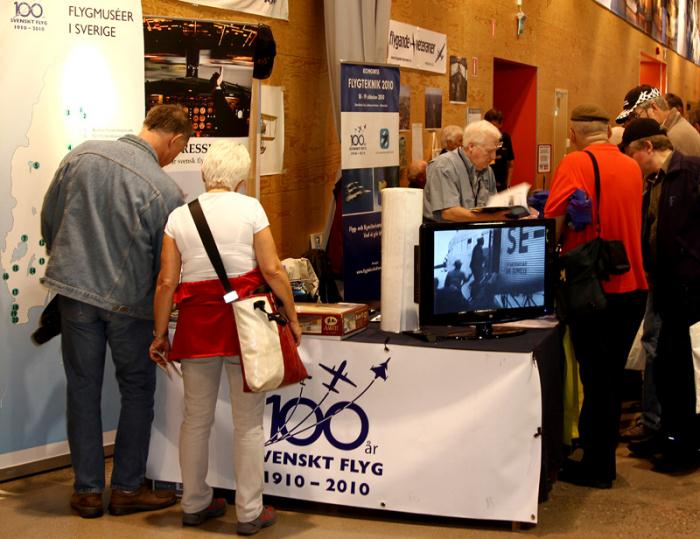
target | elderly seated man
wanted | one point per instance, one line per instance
(461, 180)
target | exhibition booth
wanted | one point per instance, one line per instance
(449, 402)
(386, 421)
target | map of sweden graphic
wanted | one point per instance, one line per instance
(60, 91)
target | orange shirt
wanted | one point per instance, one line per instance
(621, 209)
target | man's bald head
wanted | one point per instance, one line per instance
(416, 174)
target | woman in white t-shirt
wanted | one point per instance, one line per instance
(205, 339)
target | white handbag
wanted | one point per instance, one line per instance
(258, 335)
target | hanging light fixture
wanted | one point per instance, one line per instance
(520, 16)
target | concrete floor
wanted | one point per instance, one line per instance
(642, 504)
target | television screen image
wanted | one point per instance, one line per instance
(472, 273)
(489, 268)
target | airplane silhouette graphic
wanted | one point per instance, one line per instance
(284, 432)
(380, 370)
(337, 375)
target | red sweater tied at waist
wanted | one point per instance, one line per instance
(205, 323)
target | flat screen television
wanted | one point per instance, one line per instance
(478, 274)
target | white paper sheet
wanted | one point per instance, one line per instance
(515, 196)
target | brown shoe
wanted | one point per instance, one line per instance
(87, 504)
(143, 499)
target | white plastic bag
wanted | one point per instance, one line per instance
(636, 359)
(695, 347)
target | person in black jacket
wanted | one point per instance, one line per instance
(672, 247)
(503, 164)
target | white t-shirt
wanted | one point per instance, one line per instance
(233, 219)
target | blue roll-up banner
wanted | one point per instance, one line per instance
(369, 125)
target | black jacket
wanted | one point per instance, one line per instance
(675, 270)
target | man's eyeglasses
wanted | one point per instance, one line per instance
(640, 112)
(493, 148)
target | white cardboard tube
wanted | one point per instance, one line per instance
(402, 215)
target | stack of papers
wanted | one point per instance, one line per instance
(515, 196)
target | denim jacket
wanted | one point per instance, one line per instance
(102, 219)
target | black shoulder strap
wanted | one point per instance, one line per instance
(200, 222)
(596, 172)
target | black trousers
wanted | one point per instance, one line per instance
(675, 383)
(601, 344)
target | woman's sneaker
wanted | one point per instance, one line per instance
(267, 518)
(216, 508)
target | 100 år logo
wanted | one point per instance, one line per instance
(25, 9)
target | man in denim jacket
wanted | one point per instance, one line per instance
(102, 220)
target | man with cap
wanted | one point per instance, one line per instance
(601, 341)
(671, 242)
(647, 102)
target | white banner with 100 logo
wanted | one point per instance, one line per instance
(418, 430)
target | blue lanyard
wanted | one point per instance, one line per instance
(475, 194)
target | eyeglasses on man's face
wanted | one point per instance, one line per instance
(641, 112)
(491, 149)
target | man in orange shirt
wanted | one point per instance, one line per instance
(602, 340)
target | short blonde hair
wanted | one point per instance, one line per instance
(225, 165)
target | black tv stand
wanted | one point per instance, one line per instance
(468, 333)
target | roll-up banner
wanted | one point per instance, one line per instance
(369, 125)
(70, 71)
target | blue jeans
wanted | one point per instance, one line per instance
(86, 331)
(651, 409)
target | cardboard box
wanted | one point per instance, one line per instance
(337, 320)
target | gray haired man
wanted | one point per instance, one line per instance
(103, 219)
(462, 179)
